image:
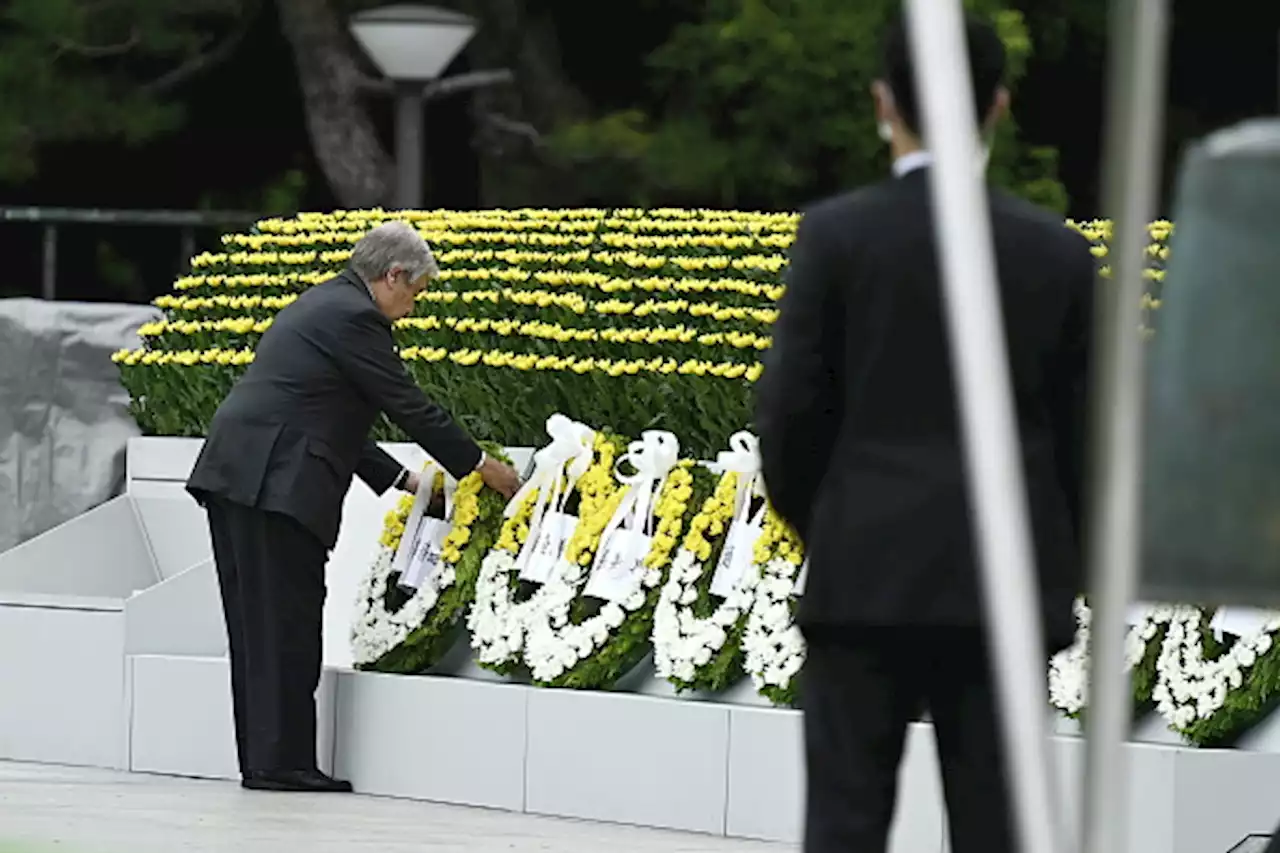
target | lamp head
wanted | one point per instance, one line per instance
(411, 42)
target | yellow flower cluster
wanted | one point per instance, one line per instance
(393, 524)
(714, 517)
(670, 510)
(598, 499)
(515, 530)
(778, 539)
(466, 509)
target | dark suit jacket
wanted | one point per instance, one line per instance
(857, 412)
(296, 426)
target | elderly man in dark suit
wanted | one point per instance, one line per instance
(273, 473)
(863, 455)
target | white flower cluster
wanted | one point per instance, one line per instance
(497, 620)
(375, 630)
(773, 643)
(1069, 669)
(1189, 687)
(681, 641)
(554, 645)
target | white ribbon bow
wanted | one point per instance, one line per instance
(652, 459)
(568, 455)
(743, 458)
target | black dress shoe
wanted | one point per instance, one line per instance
(307, 781)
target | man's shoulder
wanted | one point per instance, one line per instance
(854, 203)
(1032, 222)
(335, 301)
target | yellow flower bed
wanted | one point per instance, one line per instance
(673, 307)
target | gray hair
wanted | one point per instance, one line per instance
(393, 244)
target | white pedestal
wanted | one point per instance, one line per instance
(448, 740)
(628, 759)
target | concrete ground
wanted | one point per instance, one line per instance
(72, 810)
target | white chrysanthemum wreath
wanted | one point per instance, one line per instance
(422, 580)
(1191, 689)
(1069, 669)
(572, 473)
(702, 611)
(774, 646)
(595, 614)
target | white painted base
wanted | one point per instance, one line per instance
(628, 759)
(448, 740)
(181, 722)
(698, 766)
(62, 681)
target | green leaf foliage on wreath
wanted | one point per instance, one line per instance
(1245, 706)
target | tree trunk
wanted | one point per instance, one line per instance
(346, 144)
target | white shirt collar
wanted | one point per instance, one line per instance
(908, 163)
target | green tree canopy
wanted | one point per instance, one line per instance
(73, 70)
(767, 103)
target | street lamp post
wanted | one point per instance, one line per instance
(411, 45)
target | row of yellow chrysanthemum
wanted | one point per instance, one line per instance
(471, 357)
(602, 282)
(572, 302)
(610, 240)
(770, 264)
(654, 335)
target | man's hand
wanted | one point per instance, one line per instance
(500, 477)
(411, 482)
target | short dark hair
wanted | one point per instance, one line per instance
(986, 68)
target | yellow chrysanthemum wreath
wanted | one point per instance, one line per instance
(579, 640)
(697, 634)
(503, 601)
(393, 631)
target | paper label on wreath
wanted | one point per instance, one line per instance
(619, 569)
(735, 558)
(428, 554)
(802, 579)
(413, 528)
(1240, 621)
(553, 535)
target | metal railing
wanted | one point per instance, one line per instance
(52, 218)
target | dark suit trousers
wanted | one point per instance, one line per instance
(271, 572)
(860, 689)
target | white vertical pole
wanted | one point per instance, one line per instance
(1135, 112)
(986, 402)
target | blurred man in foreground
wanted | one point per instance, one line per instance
(857, 415)
(273, 473)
